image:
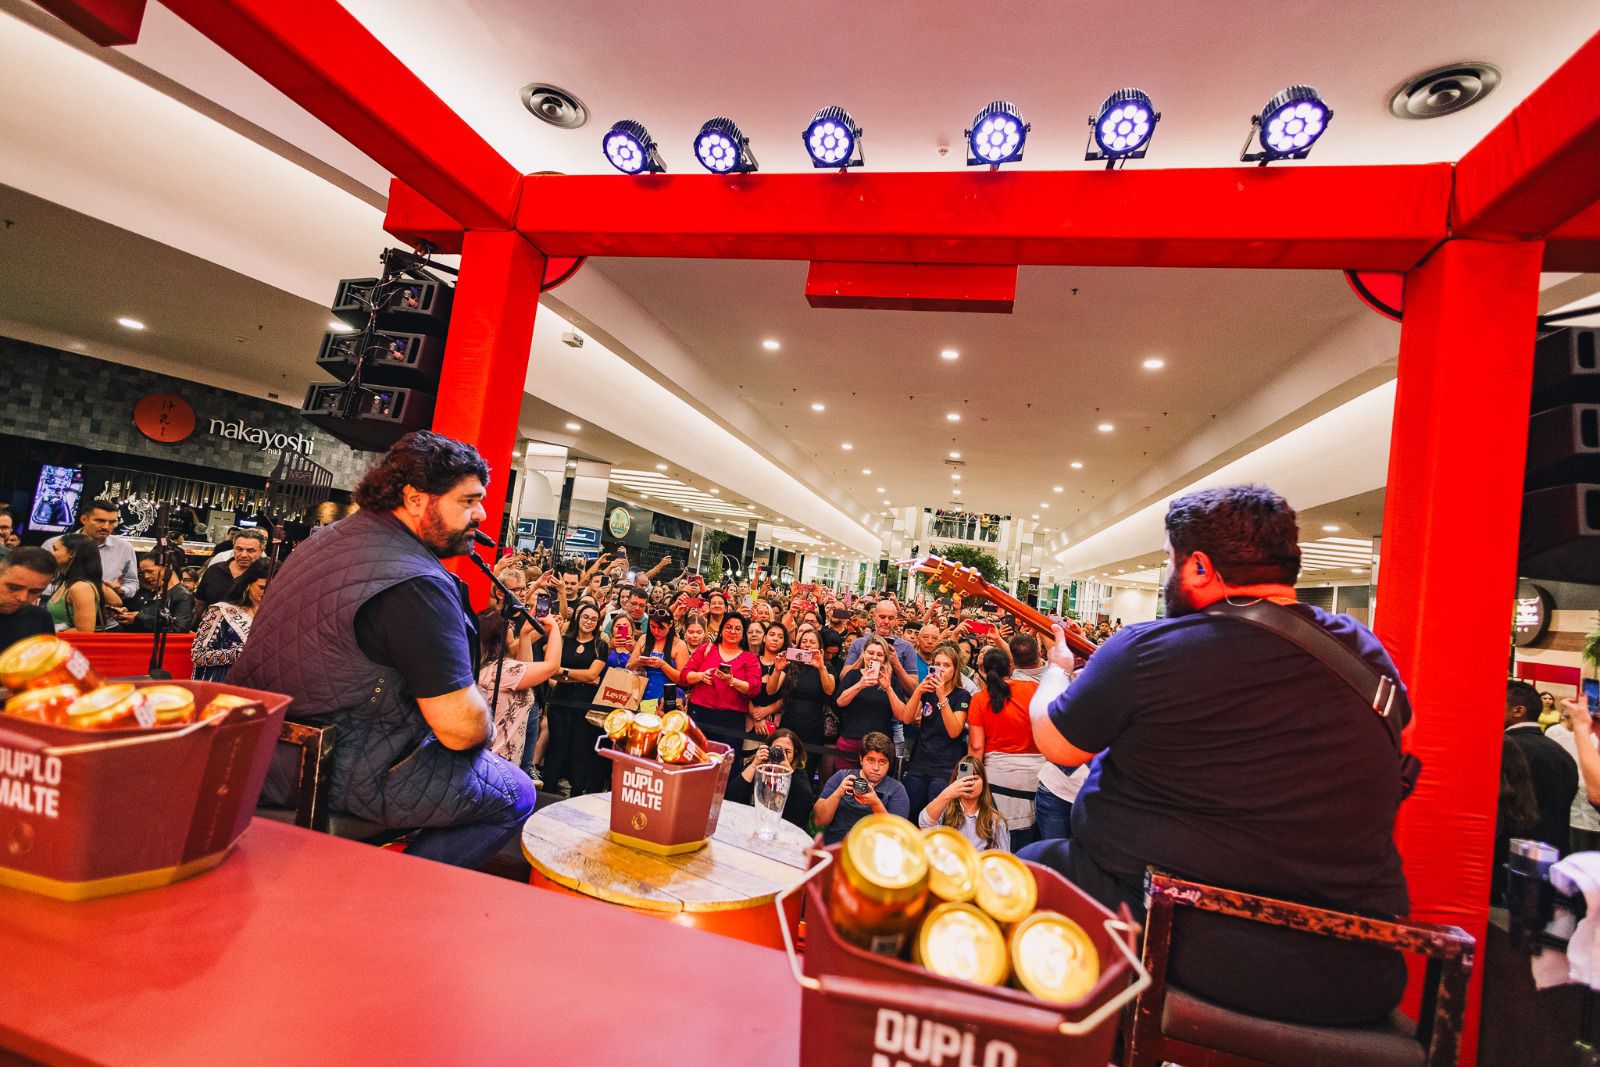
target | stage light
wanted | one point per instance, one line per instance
(1288, 126)
(722, 149)
(1123, 128)
(630, 149)
(833, 140)
(997, 136)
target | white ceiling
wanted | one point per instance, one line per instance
(215, 169)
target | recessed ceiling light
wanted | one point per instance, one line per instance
(954, 416)
(574, 427)
(956, 476)
(644, 496)
(846, 445)
(1154, 363)
(1077, 465)
(770, 345)
(866, 470)
(1036, 515)
(1330, 529)
(132, 324)
(661, 466)
(955, 455)
(1042, 504)
(1358, 570)
(336, 325)
(949, 353)
(819, 406)
(889, 502)
(1105, 427)
(881, 489)
(1058, 488)
(714, 492)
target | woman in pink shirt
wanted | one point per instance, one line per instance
(721, 676)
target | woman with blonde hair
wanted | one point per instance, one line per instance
(966, 805)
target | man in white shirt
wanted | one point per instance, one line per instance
(119, 564)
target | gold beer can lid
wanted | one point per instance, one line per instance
(884, 857)
(107, 704)
(169, 702)
(617, 723)
(1006, 888)
(1053, 957)
(31, 657)
(960, 941)
(674, 720)
(24, 702)
(647, 720)
(952, 864)
(671, 746)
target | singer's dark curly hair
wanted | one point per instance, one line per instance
(1249, 532)
(426, 461)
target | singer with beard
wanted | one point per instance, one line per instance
(366, 630)
(1225, 754)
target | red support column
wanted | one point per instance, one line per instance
(1449, 564)
(486, 360)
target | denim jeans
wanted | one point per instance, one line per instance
(531, 738)
(1052, 815)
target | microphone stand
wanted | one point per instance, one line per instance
(513, 613)
(158, 641)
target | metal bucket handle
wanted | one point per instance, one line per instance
(1115, 927)
(140, 739)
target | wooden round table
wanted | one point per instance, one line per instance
(727, 887)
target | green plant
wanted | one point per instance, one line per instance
(985, 563)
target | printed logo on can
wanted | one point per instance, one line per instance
(639, 821)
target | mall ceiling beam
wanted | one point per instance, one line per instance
(1536, 169)
(105, 22)
(1575, 244)
(318, 55)
(1372, 218)
(417, 221)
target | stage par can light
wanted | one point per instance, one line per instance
(722, 149)
(1122, 129)
(630, 149)
(833, 140)
(998, 135)
(1288, 126)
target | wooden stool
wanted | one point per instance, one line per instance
(727, 887)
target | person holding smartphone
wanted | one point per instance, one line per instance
(868, 701)
(938, 708)
(660, 655)
(806, 683)
(853, 794)
(721, 676)
(784, 748)
(966, 805)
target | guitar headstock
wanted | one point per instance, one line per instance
(963, 580)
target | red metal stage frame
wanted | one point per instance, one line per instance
(1473, 237)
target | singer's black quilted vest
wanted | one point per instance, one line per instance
(303, 643)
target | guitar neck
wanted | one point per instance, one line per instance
(1031, 617)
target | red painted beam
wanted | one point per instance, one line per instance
(1373, 218)
(317, 54)
(1455, 465)
(414, 219)
(912, 287)
(1575, 244)
(105, 22)
(1537, 168)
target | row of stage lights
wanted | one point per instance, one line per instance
(1286, 128)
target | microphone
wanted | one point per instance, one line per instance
(484, 539)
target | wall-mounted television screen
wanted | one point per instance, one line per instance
(55, 499)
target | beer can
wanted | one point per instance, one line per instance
(44, 660)
(952, 864)
(48, 705)
(1006, 888)
(1053, 958)
(222, 703)
(960, 941)
(679, 720)
(173, 705)
(880, 884)
(111, 707)
(643, 733)
(616, 726)
(675, 747)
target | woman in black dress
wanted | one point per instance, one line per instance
(571, 753)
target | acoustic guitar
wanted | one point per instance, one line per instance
(968, 582)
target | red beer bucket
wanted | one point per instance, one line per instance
(861, 1008)
(91, 813)
(665, 808)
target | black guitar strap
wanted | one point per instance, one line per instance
(1376, 690)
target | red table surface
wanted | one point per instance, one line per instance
(306, 949)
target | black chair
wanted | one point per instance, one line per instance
(297, 787)
(1167, 1023)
